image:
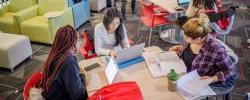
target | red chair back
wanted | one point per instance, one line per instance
(32, 81)
(147, 10)
(87, 47)
(151, 18)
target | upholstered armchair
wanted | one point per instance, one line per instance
(81, 12)
(8, 23)
(40, 24)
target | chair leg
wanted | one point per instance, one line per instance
(149, 38)
(227, 96)
(138, 32)
(224, 38)
(171, 32)
(160, 27)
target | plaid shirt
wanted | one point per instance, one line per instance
(213, 54)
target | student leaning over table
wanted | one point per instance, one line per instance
(62, 77)
(209, 56)
(110, 35)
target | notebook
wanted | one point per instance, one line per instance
(160, 64)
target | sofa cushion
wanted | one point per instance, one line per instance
(45, 5)
(7, 22)
(36, 28)
(18, 5)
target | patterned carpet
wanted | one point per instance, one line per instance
(11, 83)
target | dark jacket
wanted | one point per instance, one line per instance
(68, 83)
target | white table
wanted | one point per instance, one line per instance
(152, 88)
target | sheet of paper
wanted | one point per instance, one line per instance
(192, 87)
(111, 70)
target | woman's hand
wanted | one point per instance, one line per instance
(113, 53)
(201, 11)
(177, 48)
(213, 78)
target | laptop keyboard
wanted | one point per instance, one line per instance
(95, 81)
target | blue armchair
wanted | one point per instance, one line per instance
(81, 12)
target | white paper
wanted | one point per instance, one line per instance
(111, 70)
(160, 64)
(192, 87)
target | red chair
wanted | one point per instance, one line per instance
(87, 47)
(151, 19)
(32, 81)
(155, 7)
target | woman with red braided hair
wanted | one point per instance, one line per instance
(61, 75)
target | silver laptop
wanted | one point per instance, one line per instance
(127, 54)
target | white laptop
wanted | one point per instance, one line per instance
(111, 70)
(181, 2)
(102, 78)
(127, 54)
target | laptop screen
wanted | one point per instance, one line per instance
(111, 70)
(182, 2)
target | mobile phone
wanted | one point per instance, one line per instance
(90, 67)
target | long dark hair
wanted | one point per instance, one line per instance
(208, 4)
(63, 45)
(110, 15)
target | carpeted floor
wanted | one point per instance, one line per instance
(11, 83)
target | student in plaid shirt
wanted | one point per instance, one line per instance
(208, 55)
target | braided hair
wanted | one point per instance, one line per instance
(63, 45)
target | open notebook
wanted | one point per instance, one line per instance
(160, 64)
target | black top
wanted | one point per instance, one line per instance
(188, 57)
(68, 83)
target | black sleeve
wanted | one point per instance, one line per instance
(73, 82)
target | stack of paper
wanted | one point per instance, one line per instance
(191, 87)
(160, 64)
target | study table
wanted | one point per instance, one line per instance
(151, 88)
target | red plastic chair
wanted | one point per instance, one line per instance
(32, 81)
(152, 19)
(155, 7)
(87, 47)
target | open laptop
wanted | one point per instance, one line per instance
(102, 78)
(183, 3)
(129, 54)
